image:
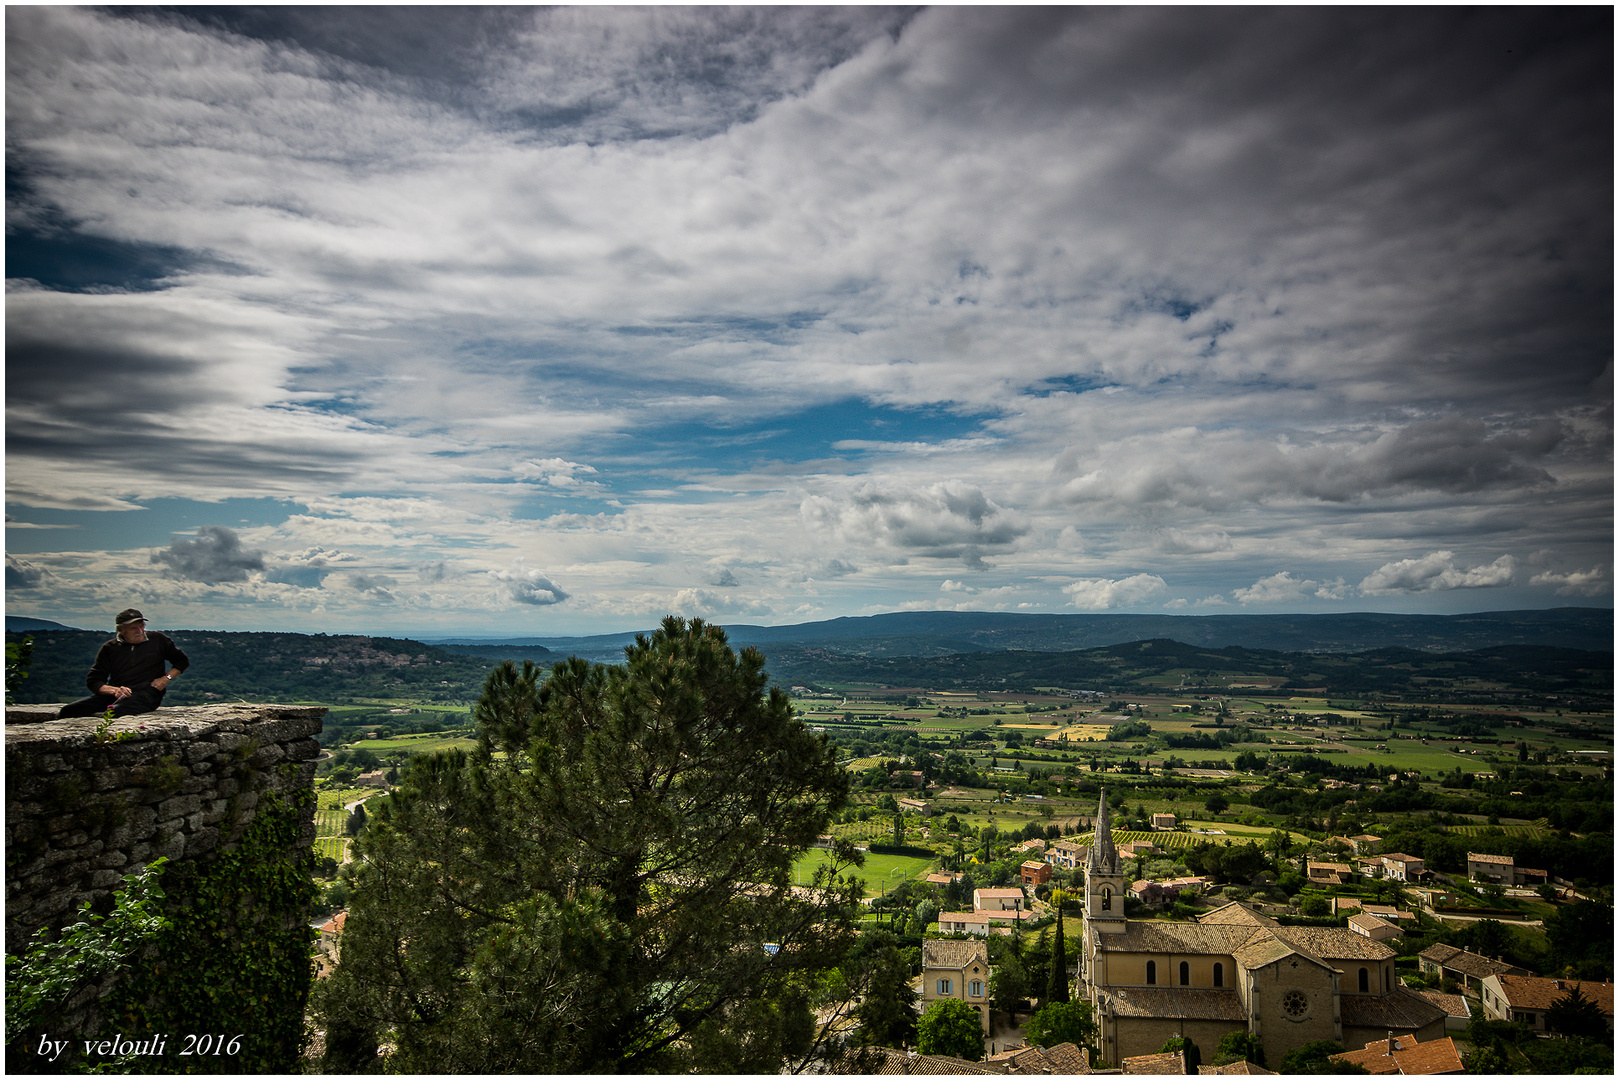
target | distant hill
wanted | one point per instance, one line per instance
(260, 667)
(23, 624)
(945, 633)
(345, 668)
(1578, 678)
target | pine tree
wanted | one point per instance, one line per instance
(606, 884)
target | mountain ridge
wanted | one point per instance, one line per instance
(940, 633)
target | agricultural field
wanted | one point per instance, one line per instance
(331, 815)
(416, 744)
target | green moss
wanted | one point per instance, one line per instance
(163, 776)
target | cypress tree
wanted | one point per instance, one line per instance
(1057, 986)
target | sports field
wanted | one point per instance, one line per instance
(880, 873)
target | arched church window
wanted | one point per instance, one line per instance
(1152, 973)
(1219, 974)
(1365, 981)
(1186, 973)
(1107, 898)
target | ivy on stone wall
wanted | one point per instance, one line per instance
(236, 965)
(217, 986)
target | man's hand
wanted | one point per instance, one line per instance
(160, 683)
(119, 692)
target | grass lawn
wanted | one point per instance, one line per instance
(881, 872)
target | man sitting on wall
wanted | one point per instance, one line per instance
(128, 674)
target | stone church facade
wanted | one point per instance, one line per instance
(1233, 969)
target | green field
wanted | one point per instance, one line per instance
(880, 873)
(415, 744)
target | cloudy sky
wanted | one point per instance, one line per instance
(552, 321)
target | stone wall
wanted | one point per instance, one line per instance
(87, 802)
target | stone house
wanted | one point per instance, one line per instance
(1525, 999)
(1373, 927)
(981, 923)
(1232, 969)
(999, 899)
(1035, 872)
(957, 969)
(1065, 855)
(1458, 1013)
(1328, 873)
(1163, 821)
(1468, 968)
(1495, 868)
(1402, 867)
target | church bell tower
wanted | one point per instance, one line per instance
(1104, 879)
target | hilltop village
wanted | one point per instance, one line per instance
(1238, 882)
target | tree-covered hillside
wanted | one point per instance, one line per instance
(340, 668)
(1145, 665)
(229, 666)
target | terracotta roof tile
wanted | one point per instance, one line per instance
(1068, 1058)
(1170, 1064)
(1063, 1059)
(1260, 950)
(1333, 943)
(929, 1065)
(1198, 938)
(882, 1061)
(1187, 1002)
(1468, 963)
(954, 954)
(1528, 992)
(1451, 1004)
(1234, 914)
(1409, 1057)
(1236, 1068)
(1430, 1058)
(1399, 1009)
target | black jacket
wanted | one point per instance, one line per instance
(121, 664)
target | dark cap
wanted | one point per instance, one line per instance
(127, 616)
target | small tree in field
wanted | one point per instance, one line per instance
(951, 1028)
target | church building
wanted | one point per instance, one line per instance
(1232, 969)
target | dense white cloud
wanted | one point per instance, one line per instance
(1437, 570)
(1098, 594)
(1593, 582)
(767, 311)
